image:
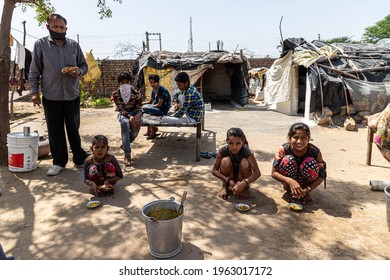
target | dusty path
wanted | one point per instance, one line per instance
(45, 218)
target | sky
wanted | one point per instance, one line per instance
(251, 25)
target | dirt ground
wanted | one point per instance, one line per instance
(45, 217)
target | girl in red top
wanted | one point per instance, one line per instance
(298, 165)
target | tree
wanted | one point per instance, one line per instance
(127, 50)
(42, 8)
(343, 39)
(378, 31)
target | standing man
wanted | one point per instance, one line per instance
(56, 66)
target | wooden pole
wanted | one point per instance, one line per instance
(343, 73)
(370, 138)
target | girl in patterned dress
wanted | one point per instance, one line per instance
(298, 165)
(235, 165)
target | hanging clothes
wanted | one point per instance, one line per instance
(20, 55)
(27, 63)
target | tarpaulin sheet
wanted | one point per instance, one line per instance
(93, 68)
(280, 80)
(167, 77)
(369, 96)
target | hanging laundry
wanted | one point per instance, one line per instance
(27, 63)
(20, 55)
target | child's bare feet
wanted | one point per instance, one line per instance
(223, 193)
(287, 197)
(94, 191)
(306, 199)
(127, 160)
(241, 190)
(244, 194)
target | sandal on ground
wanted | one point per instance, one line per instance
(205, 155)
(213, 154)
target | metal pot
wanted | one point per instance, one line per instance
(164, 237)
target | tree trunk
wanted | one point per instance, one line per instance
(5, 61)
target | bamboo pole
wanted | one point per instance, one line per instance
(374, 69)
(339, 71)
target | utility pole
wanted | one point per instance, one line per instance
(190, 41)
(147, 34)
(24, 33)
(147, 41)
(20, 90)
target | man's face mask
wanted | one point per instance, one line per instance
(55, 35)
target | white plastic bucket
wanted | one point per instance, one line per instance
(387, 192)
(22, 151)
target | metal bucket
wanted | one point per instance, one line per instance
(387, 192)
(164, 237)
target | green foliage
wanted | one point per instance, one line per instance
(104, 10)
(87, 100)
(43, 8)
(378, 31)
(343, 39)
(100, 102)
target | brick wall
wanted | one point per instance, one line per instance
(109, 80)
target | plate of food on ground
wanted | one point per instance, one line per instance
(295, 206)
(92, 204)
(242, 207)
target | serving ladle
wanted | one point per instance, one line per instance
(183, 198)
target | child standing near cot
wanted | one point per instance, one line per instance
(101, 169)
(235, 165)
(298, 165)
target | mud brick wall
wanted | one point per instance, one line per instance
(261, 62)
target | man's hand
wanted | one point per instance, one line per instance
(36, 100)
(176, 107)
(137, 120)
(75, 72)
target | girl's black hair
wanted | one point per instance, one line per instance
(124, 76)
(298, 126)
(154, 77)
(99, 138)
(236, 132)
